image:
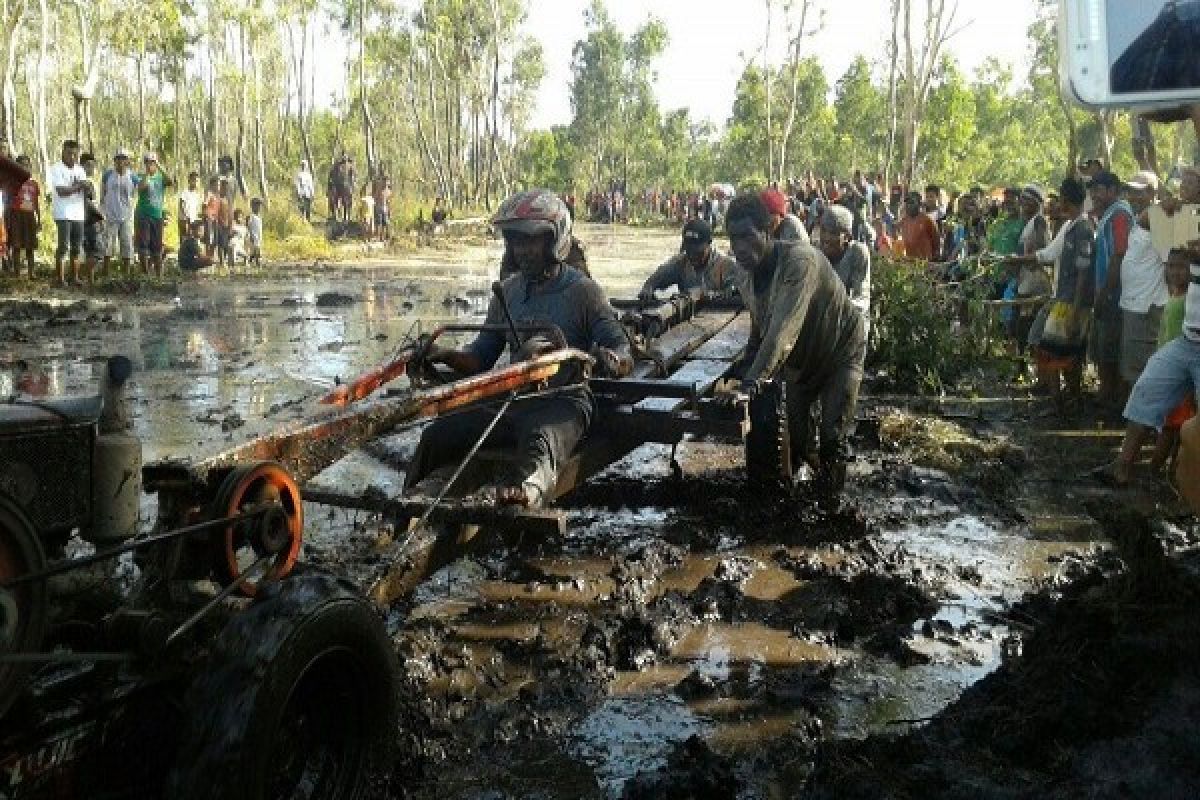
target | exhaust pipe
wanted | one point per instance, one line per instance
(116, 462)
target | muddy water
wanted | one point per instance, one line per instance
(706, 617)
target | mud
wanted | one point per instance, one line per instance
(952, 632)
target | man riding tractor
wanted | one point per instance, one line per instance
(541, 432)
(697, 266)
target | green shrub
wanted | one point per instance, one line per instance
(924, 334)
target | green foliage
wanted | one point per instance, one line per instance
(917, 339)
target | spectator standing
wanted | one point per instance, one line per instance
(237, 238)
(254, 234)
(224, 224)
(191, 205)
(93, 225)
(26, 218)
(349, 184)
(212, 210)
(1177, 279)
(149, 214)
(918, 231)
(1112, 243)
(1059, 333)
(1143, 282)
(383, 210)
(305, 190)
(116, 201)
(366, 212)
(66, 181)
(1171, 376)
(1004, 235)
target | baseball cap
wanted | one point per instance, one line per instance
(1105, 178)
(775, 202)
(696, 232)
(1143, 180)
(1035, 193)
(149, 156)
(121, 153)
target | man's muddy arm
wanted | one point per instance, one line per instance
(791, 306)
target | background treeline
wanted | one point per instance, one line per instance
(438, 95)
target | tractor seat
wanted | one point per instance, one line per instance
(51, 412)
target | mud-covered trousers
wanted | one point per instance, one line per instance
(830, 420)
(540, 434)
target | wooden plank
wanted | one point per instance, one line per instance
(682, 341)
(701, 374)
(729, 343)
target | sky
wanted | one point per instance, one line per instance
(710, 41)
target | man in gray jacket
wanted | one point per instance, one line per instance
(806, 332)
(698, 265)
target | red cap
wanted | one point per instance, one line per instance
(775, 202)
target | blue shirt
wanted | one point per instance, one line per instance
(571, 301)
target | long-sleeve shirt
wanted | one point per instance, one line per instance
(571, 301)
(791, 229)
(855, 271)
(717, 275)
(304, 184)
(803, 321)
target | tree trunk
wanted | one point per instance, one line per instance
(769, 83)
(239, 158)
(1108, 136)
(141, 87)
(260, 151)
(13, 11)
(893, 105)
(367, 121)
(797, 45)
(39, 84)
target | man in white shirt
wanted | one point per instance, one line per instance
(1143, 282)
(67, 182)
(191, 205)
(305, 190)
(116, 193)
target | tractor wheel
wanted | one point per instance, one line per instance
(768, 444)
(298, 700)
(242, 543)
(22, 607)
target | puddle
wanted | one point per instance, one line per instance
(632, 734)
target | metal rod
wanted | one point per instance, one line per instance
(136, 544)
(191, 621)
(463, 465)
(416, 423)
(498, 290)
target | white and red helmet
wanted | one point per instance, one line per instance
(537, 211)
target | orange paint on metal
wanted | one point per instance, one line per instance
(269, 482)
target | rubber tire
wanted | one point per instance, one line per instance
(33, 627)
(235, 707)
(768, 444)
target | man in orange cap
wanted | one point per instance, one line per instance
(785, 226)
